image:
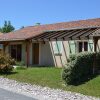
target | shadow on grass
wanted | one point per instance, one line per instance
(83, 81)
(8, 73)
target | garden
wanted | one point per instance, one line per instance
(76, 76)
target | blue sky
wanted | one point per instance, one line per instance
(29, 12)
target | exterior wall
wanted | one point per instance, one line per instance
(47, 57)
(98, 46)
(71, 47)
(61, 59)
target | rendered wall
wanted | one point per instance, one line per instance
(48, 58)
(46, 52)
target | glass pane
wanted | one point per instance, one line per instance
(85, 46)
(13, 51)
(18, 52)
(80, 46)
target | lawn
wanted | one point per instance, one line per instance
(51, 77)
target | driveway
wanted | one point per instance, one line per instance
(8, 95)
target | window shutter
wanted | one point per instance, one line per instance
(90, 46)
(57, 47)
(72, 47)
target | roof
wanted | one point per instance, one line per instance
(33, 31)
(69, 34)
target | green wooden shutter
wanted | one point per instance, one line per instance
(72, 47)
(57, 47)
(90, 46)
(54, 47)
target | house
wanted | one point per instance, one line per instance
(51, 44)
(1, 46)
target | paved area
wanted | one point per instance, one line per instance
(37, 92)
(8, 95)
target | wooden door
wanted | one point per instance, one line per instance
(36, 53)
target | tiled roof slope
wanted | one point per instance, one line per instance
(32, 31)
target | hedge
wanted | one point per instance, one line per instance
(80, 67)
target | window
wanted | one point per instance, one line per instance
(57, 47)
(85, 46)
(15, 52)
(82, 46)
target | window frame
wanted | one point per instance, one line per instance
(82, 41)
(15, 46)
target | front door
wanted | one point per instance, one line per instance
(36, 53)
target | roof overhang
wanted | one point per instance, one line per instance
(67, 34)
(79, 33)
(11, 40)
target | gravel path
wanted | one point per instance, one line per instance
(41, 93)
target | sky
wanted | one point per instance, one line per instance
(29, 12)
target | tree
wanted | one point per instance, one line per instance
(7, 27)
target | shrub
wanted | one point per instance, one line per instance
(71, 58)
(79, 68)
(6, 63)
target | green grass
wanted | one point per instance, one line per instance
(51, 77)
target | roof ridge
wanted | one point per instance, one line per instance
(64, 22)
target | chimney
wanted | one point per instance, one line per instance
(38, 24)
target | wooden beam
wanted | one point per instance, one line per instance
(68, 33)
(88, 33)
(45, 34)
(61, 33)
(74, 34)
(53, 53)
(81, 33)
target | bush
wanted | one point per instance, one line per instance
(6, 63)
(79, 68)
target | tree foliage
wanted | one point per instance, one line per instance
(7, 27)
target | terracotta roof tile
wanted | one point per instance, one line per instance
(32, 31)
